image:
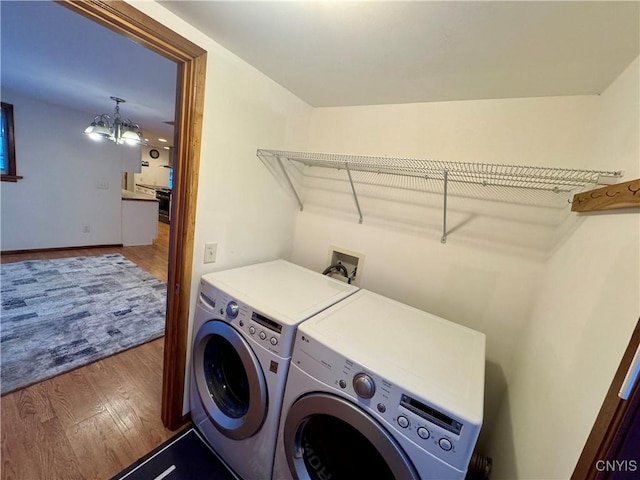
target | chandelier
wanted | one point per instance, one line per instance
(116, 129)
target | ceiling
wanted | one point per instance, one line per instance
(55, 55)
(334, 53)
(329, 53)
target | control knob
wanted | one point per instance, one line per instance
(232, 310)
(364, 385)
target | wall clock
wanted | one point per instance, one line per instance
(154, 153)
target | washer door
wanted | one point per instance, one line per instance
(230, 381)
(328, 437)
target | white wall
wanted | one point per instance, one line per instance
(487, 274)
(240, 206)
(491, 287)
(62, 168)
(582, 320)
(496, 131)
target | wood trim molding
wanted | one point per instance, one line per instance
(127, 20)
(10, 155)
(189, 108)
(58, 249)
(609, 419)
(191, 61)
(620, 195)
(10, 178)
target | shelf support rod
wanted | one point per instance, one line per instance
(355, 197)
(286, 175)
(444, 217)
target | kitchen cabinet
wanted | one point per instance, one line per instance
(139, 218)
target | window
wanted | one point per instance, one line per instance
(7, 146)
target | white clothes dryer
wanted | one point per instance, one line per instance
(378, 389)
(244, 329)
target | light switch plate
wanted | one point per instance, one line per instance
(210, 252)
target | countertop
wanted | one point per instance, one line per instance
(154, 187)
(127, 195)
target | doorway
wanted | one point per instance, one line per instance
(191, 62)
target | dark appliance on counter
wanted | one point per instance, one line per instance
(164, 204)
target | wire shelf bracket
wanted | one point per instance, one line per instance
(353, 190)
(444, 208)
(293, 189)
(487, 174)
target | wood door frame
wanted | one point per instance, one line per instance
(191, 62)
(611, 417)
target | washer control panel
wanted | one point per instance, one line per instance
(260, 328)
(257, 327)
(430, 426)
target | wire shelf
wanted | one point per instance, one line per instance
(545, 178)
(486, 174)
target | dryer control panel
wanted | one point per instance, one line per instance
(430, 426)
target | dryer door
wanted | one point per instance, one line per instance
(328, 437)
(230, 381)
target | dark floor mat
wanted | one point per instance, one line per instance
(183, 457)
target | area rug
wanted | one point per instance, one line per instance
(60, 314)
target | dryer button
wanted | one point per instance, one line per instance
(252, 329)
(403, 421)
(381, 407)
(445, 444)
(273, 340)
(342, 384)
(262, 335)
(423, 433)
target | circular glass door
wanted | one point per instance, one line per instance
(328, 437)
(230, 381)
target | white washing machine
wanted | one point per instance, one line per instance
(378, 389)
(244, 329)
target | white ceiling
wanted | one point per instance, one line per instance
(358, 53)
(330, 53)
(53, 54)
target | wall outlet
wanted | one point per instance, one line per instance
(210, 252)
(86, 229)
(103, 185)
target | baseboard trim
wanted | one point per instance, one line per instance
(58, 249)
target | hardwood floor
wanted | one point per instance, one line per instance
(152, 258)
(94, 421)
